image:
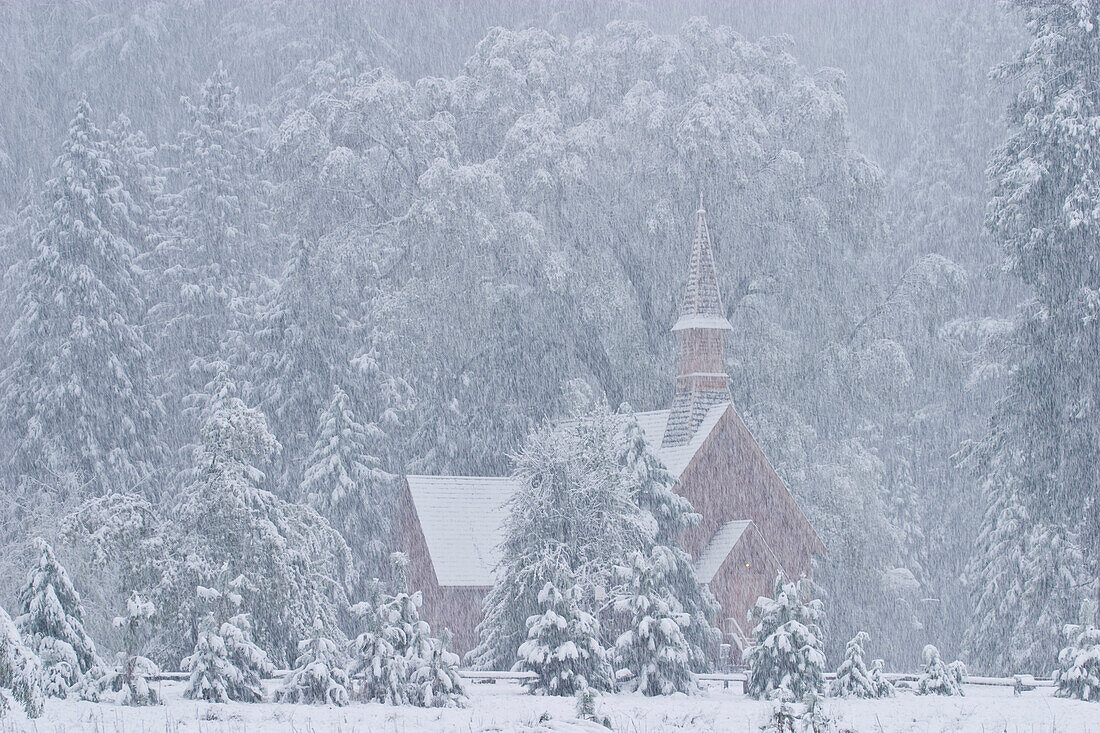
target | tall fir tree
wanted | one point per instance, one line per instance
(344, 481)
(52, 621)
(1039, 460)
(77, 387)
(653, 489)
(206, 264)
(300, 339)
(294, 565)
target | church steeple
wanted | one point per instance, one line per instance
(701, 330)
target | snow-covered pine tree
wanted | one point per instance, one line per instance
(292, 561)
(854, 679)
(1078, 673)
(786, 657)
(128, 682)
(573, 512)
(77, 387)
(434, 681)
(143, 183)
(431, 672)
(938, 678)
(563, 646)
(654, 648)
(377, 670)
(206, 263)
(653, 489)
(20, 670)
(52, 622)
(344, 481)
(318, 677)
(1038, 461)
(225, 665)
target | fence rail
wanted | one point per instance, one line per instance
(1019, 682)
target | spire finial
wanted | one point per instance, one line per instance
(701, 209)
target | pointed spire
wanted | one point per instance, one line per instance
(701, 331)
(702, 304)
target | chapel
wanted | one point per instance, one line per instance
(751, 528)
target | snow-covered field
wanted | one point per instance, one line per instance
(504, 707)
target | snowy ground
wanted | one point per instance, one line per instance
(503, 707)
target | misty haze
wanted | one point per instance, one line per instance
(550, 366)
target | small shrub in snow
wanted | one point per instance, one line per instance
(586, 708)
(654, 649)
(396, 660)
(808, 716)
(1078, 675)
(853, 679)
(939, 678)
(20, 670)
(433, 678)
(225, 665)
(786, 656)
(431, 672)
(128, 682)
(563, 644)
(318, 676)
(377, 672)
(53, 625)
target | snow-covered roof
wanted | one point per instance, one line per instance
(462, 518)
(677, 458)
(719, 548)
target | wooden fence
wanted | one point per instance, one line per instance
(1020, 683)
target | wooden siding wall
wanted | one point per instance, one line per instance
(455, 608)
(729, 480)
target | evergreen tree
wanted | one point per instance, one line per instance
(143, 184)
(938, 678)
(53, 623)
(653, 489)
(128, 682)
(655, 648)
(434, 680)
(563, 646)
(225, 665)
(318, 676)
(206, 263)
(301, 345)
(572, 511)
(378, 672)
(77, 386)
(786, 657)
(854, 679)
(293, 563)
(431, 672)
(346, 484)
(1038, 461)
(1078, 673)
(20, 670)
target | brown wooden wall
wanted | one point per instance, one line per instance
(729, 480)
(455, 608)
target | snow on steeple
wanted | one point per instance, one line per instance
(702, 304)
(701, 330)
